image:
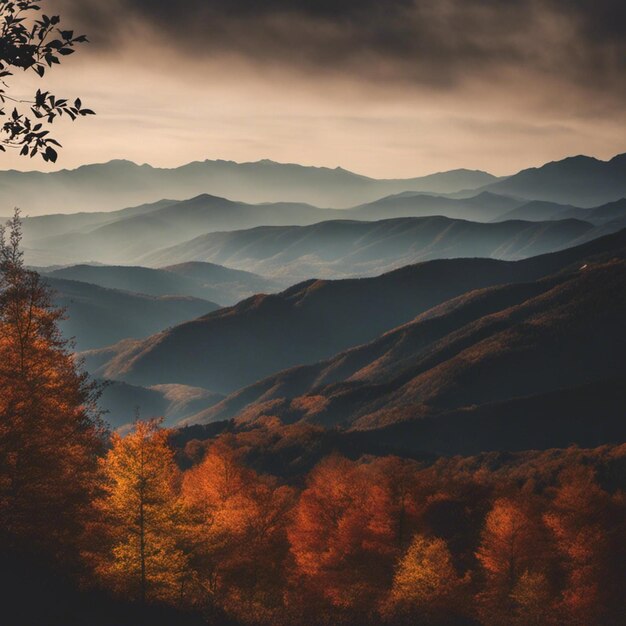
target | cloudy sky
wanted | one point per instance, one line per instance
(383, 87)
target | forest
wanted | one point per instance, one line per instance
(159, 526)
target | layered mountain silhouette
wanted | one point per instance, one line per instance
(128, 235)
(518, 366)
(117, 184)
(128, 238)
(200, 280)
(581, 180)
(483, 207)
(237, 346)
(97, 317)
(334, 249)
(540, 211)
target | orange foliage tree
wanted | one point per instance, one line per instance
(50, 434)
(236, 534)
(344, 538)
(512, 556)
(141, 517)
(589, 526)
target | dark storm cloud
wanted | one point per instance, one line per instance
(435, 42)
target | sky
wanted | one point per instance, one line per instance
(387, 88)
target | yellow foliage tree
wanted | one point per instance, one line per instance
(142, 514)
(426, 585)
(532, 597)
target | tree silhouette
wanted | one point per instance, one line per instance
(30, 43)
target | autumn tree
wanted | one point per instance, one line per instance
(589, 528)
(33, 42)
(512, 555)
(50, 434)
(344, 538)
(426, 586)
(141, 515)
(236, 534)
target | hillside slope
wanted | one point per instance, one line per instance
(97, 317)
(484, 348)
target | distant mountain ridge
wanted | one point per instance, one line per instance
(339, 249)
(164, 234)
(97, 316)
(580, 180)
(118, 184)
(200, 280)
(539, 210)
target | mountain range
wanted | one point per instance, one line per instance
(524, 365)
(118, 184)
(581, 181)
(337, 249)
(314, 320)
(399, 308)
(165, 234)
(541, 211)
(128, 235)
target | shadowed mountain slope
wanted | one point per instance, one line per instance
(483, 348)
(97, 316)
(590, 414)
(337, 249)
(234, 347)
